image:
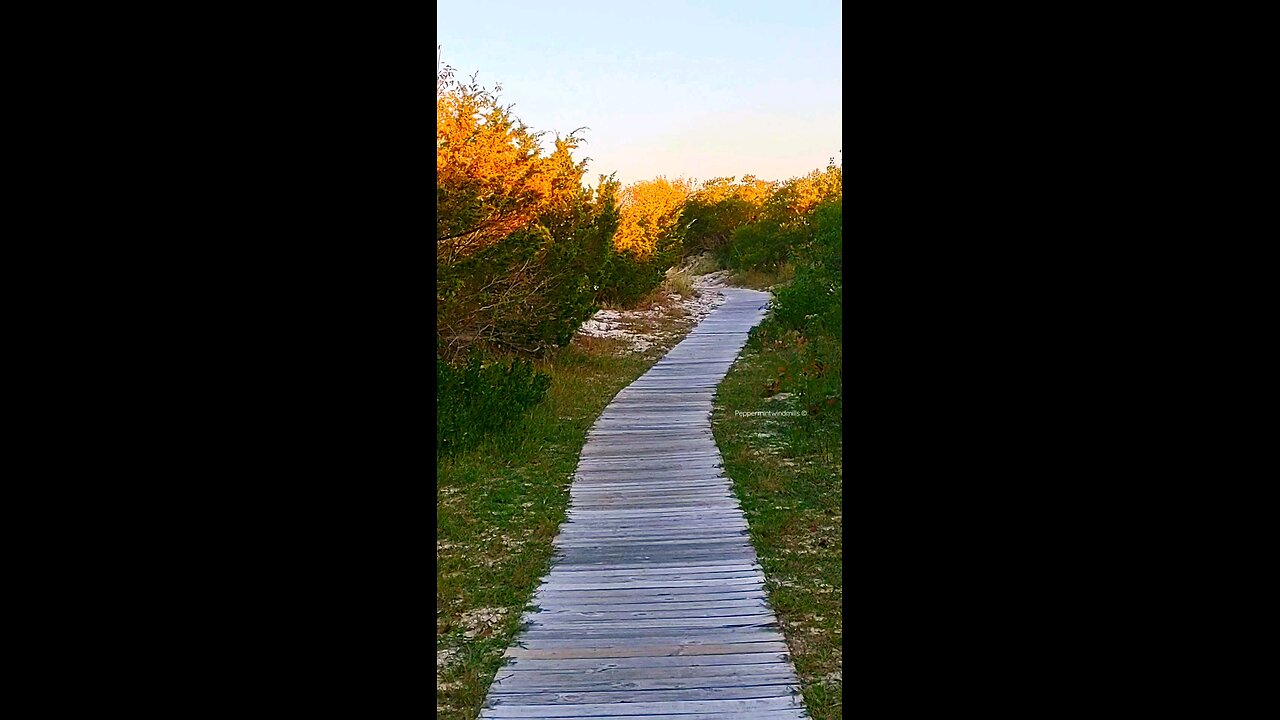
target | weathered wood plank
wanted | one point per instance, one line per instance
(514, 683)
(609, 664)
(668, 650)
(759, 629)
(717, 608)
(660, 569)
(636, 531)
(617, 602)
(555, 584)
(554, 620)
(563, 616)
(597, 710)
(675, 573)
(726, 715)
(570, 558)
(580, 697)
(675, 673)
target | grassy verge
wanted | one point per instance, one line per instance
(764, 279)
(498, 507)
(786, 471)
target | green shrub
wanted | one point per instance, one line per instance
(625, 278)
(804, 328)
(812, 302)
(482, 395)
(762, 246)
(530, 292)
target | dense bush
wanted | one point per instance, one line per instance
(762, 246)
(521, 245)
(626, 278)
(811, 303)
(805, 325)
(482, 395)
(767, 237)
(720, 207)
(648, 240)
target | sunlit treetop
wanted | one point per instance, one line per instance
(649, 211)
(492, 177)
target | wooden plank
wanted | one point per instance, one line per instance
(672, 554)
(598, 710)
(753, 715)
(640, 602)
(758, 610)
(544, 638)
(570, 600)
(555, 584)
(666, 664)
(678, 673)
(625, 537)
(635, 527)
(548, 639)
(570, 557)
(552, 593)
(580, 697)
(561, 598)
(735, 617)
(513, 683)
(690, 484)
(737, 570)
(618, 556)
(668, 650)
(662, 570)
(645, 479)
(687, 495)
(704, 502)
(640, 611)
(622, 514)
(729, 617)
(687, 573)
(625, 541)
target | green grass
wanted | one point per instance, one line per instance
(764, 279)
(498, 507)
(786, 471)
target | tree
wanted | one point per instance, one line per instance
(491, 176)
(650, 211)
(720, 207)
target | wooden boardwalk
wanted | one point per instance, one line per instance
(654, 606)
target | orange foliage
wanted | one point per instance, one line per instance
(649, 212)
(796, 197)
(491, 176)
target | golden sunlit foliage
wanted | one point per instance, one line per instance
(782, 224)
(491, 176)
(797, 197)
(721, 206)
(521, 243)
(650, 210)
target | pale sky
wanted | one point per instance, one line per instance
(682, 89)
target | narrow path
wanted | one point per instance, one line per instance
(655, 604)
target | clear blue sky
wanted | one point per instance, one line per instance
(692, 89)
